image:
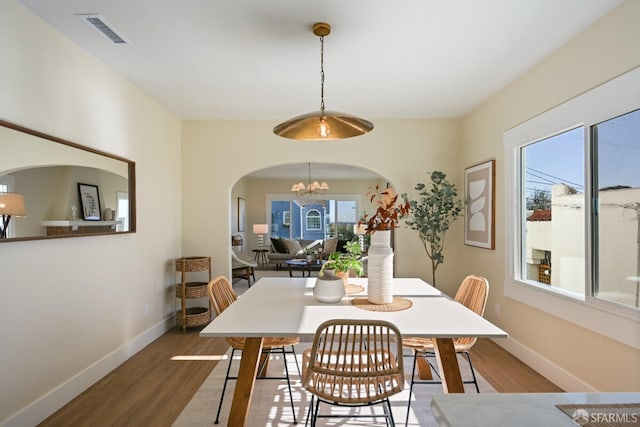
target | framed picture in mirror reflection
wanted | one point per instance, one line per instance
(89, 201)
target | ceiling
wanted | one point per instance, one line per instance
(258, 59)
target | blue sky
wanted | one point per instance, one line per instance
(560, 158)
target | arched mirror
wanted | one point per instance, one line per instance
(51, 188)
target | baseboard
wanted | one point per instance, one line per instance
(554, 373)
(40, 409)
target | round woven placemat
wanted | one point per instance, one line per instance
(397, 304)
(352, 288)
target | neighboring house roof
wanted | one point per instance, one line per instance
(540, 215)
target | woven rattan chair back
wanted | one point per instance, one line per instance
(472, 293)
(221, 294)
(355, 361)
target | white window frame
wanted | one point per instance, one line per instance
(316, 214)
(611, 99)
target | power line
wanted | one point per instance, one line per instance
(542, 177)
(556, 177)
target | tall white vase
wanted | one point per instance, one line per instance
(380, 268)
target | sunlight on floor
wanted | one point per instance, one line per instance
(201, 357)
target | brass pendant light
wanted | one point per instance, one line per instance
(323, 125)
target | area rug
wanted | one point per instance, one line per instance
(271, 406)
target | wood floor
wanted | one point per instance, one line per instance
(151, 388)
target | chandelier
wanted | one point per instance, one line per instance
(323, 125)
(311, 188)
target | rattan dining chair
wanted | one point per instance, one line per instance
(472, 293)
(353, 363)
(222, 296)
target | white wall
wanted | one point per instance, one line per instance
(216, 154)
(575, 358)
(74, 308)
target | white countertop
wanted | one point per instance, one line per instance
(518, 409)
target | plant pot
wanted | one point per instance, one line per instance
(380, 268)
(329, 289)
(344, 276)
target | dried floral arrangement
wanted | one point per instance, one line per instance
(387, 213)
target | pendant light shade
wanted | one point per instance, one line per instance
(310, 126)
(323, 125)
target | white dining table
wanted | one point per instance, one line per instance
(286, 307)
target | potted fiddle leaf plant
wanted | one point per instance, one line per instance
(432, 213)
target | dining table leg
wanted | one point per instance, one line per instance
(424, 370)
(448, 365)
(245, 382)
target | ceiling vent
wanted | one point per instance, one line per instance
(99, 24)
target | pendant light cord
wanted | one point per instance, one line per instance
(322, 74)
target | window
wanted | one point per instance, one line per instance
(288, 216)
(552, 221)
(573, 206)
(122, 211)
(616, 223)
(314, 220)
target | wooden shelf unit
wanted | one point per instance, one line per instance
(192, 316)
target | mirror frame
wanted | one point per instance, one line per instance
(131, 167)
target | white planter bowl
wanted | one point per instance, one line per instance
(329, 290)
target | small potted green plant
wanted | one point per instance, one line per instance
(342, 263)
(310, 256)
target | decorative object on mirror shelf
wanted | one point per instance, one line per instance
(323, 125)
(260, 230)
(90, 201)
(379, 226)
(311, 188)
(74, 212)
(11, 204)
(432, 214)
(329, 288)
(341, 264)
(479, 186)
(108, 215)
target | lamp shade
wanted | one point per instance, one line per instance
(359, 229)
(307, 126)
(260, 228)
(12, 204)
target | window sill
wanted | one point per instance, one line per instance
(601, 317)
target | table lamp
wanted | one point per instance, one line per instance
(260, 230)
(11, 204)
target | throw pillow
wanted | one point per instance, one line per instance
(278, 245)
(330, 246)
(293, 246)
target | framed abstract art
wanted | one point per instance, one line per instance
(479, 218)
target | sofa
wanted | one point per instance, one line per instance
(283, 249)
